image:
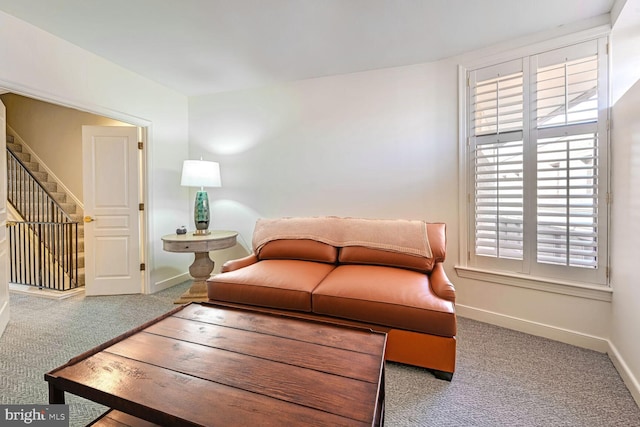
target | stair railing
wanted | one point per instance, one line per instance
(44, 247)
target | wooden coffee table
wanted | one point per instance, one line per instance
(206, 365)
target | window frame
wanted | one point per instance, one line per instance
(550, 278)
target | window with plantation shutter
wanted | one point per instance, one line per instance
(537, 152)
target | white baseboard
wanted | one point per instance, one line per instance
(627, 376)
(539, 329)
(172, 281)
(18, 288)
(4, 315)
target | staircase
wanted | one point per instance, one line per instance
(63, 201)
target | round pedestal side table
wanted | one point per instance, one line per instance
(202, 266)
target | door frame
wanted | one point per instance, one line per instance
(5, 298)
(144, 125)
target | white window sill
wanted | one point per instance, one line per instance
(601, 293)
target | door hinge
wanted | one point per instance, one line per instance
(143, 267)
(140, 206)
(607, 272)
(140, 145)
(609, 198)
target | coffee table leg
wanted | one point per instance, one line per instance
(379, 421)
(56, 396)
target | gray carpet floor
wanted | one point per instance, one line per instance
(503, 377)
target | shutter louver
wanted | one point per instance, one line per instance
(497, 122)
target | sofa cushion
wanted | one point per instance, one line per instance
(300, 249)
(362, 255)
(388, 296)
(284, 284)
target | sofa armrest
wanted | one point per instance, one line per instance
(236, 264)
(441, 284)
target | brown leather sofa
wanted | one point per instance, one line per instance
(405, 295)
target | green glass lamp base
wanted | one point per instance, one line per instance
(201, 213)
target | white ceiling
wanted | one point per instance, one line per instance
(206, 46)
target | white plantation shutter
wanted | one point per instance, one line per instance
(566, 109)
(499, 197)
(538, 168)
(567, 202)
(496, 106)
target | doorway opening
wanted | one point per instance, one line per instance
(52, 134)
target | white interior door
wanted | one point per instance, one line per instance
(110, 192)
(4, 247)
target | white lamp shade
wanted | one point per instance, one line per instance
(200, 173)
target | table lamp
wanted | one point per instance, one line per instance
(201, 173)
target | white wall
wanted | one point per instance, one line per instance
(378, 144)
(625, 133)
(626, 231)
(37, 64)
(625, 47)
